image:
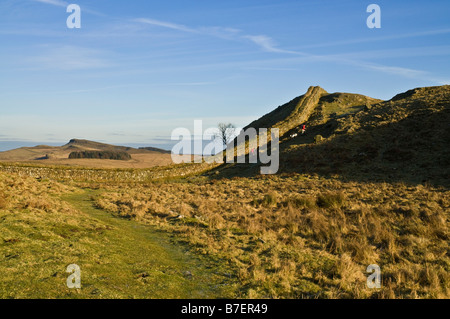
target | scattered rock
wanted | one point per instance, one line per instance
(143, 275)
(188, 274)
(95, 292)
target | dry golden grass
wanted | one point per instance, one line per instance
(287, 236)
(298, 236)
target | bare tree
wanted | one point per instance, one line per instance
(226, 133)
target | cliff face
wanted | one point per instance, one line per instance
(291, 114)
(302, 110)
(315, 107)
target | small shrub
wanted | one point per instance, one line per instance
(331, 200)
(318, 138)
(302, 202)
(270, 199)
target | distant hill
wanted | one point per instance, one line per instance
(139, 158)
(406, 138)
(86, 144)
(91, 145)
(154, 149)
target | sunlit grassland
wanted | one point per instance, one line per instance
(283, 236)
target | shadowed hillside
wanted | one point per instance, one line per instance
(356, 137)
(405, 138)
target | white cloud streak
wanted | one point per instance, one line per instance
(69, 58)
(264, 42)
(406, 72)
(376, 39)
(169, 25)
(64, 4)
(268, 44)
(58, 3)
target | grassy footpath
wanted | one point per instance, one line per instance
(119, 258)
(144, 263)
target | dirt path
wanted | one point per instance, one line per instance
(138, 261)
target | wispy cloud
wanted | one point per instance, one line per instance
(58, 3)
(399, 71)
(268, 44)
(191, 83)
(377, 39)
(406, 72)
(169, 25)
(404, 52)
(409, 73)
(69, 58)
(215, 31)
(220, 32)
(263, 41)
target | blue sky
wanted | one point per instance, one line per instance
(136, 70)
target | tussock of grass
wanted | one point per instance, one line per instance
(331, 200)
(299, 201)
(270, 199)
